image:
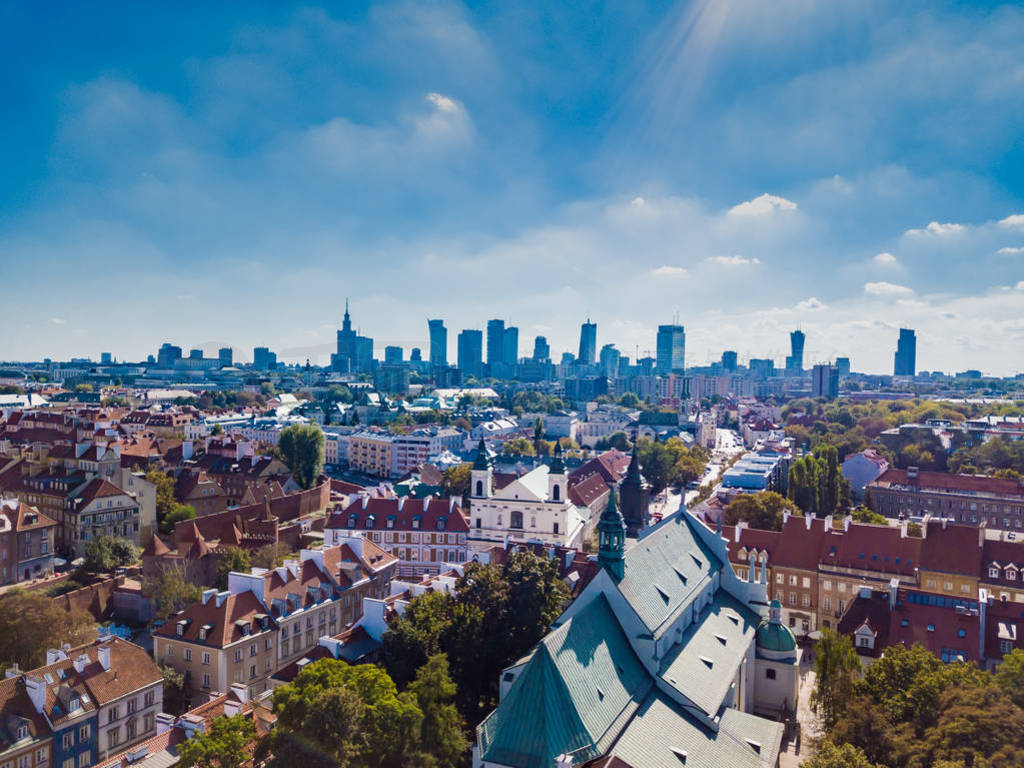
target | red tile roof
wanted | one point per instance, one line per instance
(941, 481)
(226, 620)
(375, 514)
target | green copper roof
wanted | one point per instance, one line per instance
(481, 457)
(576, 693)
(775, 637)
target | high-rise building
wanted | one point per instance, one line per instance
(510, 345)
(671, 349)
(795, 361)
(415, 356)
(588, 344)
(263, 359)
(355, 352)
(495, 342)
(106, 358)
(392, 354)
(825, 381)
(843, 366)
(762, 367)
(541, 350)
(167, 355)
(470, 353)
(905, 363)
(729, 361)
(226, 356)
(438, 342)
(195, 354)
(609, 361)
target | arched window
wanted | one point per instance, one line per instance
(516, 519)
(479, 487)
(555, 493)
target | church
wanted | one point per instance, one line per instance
(666, 659)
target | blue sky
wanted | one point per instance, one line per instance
(214, 175)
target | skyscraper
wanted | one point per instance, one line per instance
(226, 356)
(510, 346)
(438, 343)
(825, 381)
(355, 352)
(843, 366)
(541, 350)
(470, 353)
(671, 349)
(905, 363)
(610, 361)
(263, 359)
(392, 354)
(167, 355)
(729, 360)
(495, 341)
(588, 344)
(795, 361)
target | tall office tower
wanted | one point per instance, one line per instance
(588, 344)
(825, 381)
(541, 350)
(355, 352)
(195, 354)
(438, 342)
(470, 353)
(167, 355)
(762, 368)
(843, 366)
(671, 349)
(392, 354)
(495, 342)
(729, 361)
(107, 358)
(510, 346)
(609, 361)
(263, 359)
(905, 363)
(226, 355)
(795, 361)
(415, 356)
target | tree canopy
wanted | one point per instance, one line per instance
(171, 592)
(106, 553)
(761, 510)
(302, 446)
(31, 622)
(225, 745)
(232, 559)
(816, 483)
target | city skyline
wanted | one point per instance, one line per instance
(240, 173)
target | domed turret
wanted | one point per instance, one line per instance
(774, 639)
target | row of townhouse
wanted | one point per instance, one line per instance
(815, 568)
(971, 499)
(84, 704)
(26, 542)
(424, 534)
(266, 619)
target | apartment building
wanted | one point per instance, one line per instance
(968, 499)
(97, 509)
(422, 534)
(371, 453)
(26, 543)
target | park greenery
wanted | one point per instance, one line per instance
(911, 710)
(107, 553)
(171, 592)
(302, 447)
(499, 613)
(669, 462)
(762, 510)
(816, 483)
(232, 559)
(31, 622)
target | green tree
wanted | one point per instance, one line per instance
(165, 500)
(631, 400)
(1010, 676)
(441, 734)
(518, 446)
(831, 755)
(106, 553)
(419, 633)
(174, 690)
(455, 480)
(689, 468)
(538, 430)
(232, 559)
(619, 441)
(865, 515)
(178, 513)
(837, 666)
(763, 510)
(270, 555)
(31, 622)
(225, 745)
(171, 592)
(302, 446)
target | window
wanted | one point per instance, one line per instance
(828, 603)
(206, 657)
(131, 706)
(779, 578)
(112, 714)
(1005, 646)
(842, 586)
(84, 760)
(238, 655)
(68, 740)
(993, 573)
(188, 654)
(827, 585)
(252, 671)
(948, 586)
(792, 580)
(113, 737)
(84, 732)
(129, 730)
(805, 600)
(69, 763)
(147, 722)
(206, 679)
(556, 528)
(149, 698)
(770, 674)
(170, 651)
(253, 649)
(267, 642)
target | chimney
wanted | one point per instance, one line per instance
(80, 662)
(164, 722)
(563, 761)
(241, 691)
(192, 724)
(53, 655)
(828, 522)
(846, 522)
(903, 528)
(366, 499)
(740, 525)
(231, 707)
(221, 597)
(332, 645)
(12, 671)
(808, 520)
(207, 594)
(103, 655)
(785, 516)
(894, 585)
(36, 689)
(912, 473)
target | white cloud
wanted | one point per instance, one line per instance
(1016, 221)
(938, 230)
(810, 305)
(668, 271)
(733, 261)
(885, 258)
(761, 205)
(883, 288)
(58, 320)
(1019, 286)
(443, 103)
(1009, 251)
(637, 202)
